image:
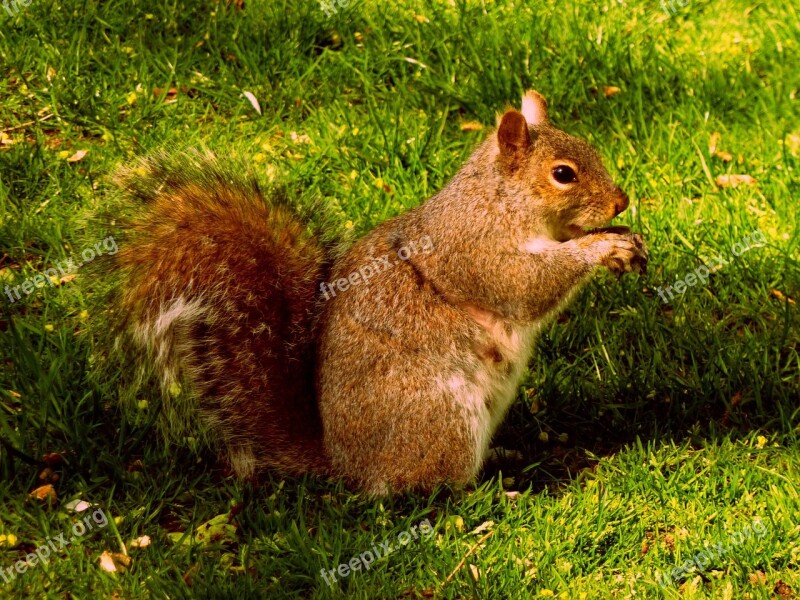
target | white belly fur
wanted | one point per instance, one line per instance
(485, 390)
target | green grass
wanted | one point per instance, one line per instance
(669, 426)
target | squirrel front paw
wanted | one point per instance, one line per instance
(620, 250)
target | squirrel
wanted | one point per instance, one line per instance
(391, 364)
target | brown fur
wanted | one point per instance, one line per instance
(416, 368)
(249, 273)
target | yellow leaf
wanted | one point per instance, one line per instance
(611, 90)
(140, 542)
(734, 181)
(49, 327)
(131, 98)
(77, 156)
(471, 126)
(8, 539)
(712, 143)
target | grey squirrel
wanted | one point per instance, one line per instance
(392, 364)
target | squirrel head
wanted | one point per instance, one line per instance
(561, 174)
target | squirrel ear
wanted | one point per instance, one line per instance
(534, 108)
(513, 138)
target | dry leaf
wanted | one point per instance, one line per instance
(67, 278)
(611, 90)
(780, 296)
(140, 542)
(16, 395)
(114, 562)
(5, 139)
(51, 459)
(783, 590)
(757, 578)
(483, 527)
(171, 94)
(421, 18)
(670, 541)
(725, 156)
(476, 573)
(49, 476)
(45, 492)
(107, 563)
(77, 156)
(733, 181)
(253, 101)
(77, 505)
(712, 143)
(471, 126)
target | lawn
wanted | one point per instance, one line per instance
(653, 451)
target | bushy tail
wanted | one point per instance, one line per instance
(215, 287)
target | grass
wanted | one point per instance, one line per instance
(645, 430)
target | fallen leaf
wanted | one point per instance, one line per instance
(170, 96)
(107, 563)
(471, 126)
(780, 296)
(670, 541)
(48, 475)
(733, 181)
(52, 459)
(475, 572)
(115, 562)
(45, 492)
(725, 156)
(611, 90)
(483, 527)
(421, 18)
(5, 139)
(77, 156)
(783, 590)
(77, 505)
(757, 578)
(140, 542)
(253, 101)
(16, 395)
(712, 143)
(645, 547)
(67, 278)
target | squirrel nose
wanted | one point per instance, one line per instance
(622, 203)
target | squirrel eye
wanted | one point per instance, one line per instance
(564, 174)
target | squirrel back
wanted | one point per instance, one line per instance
(216, 286)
